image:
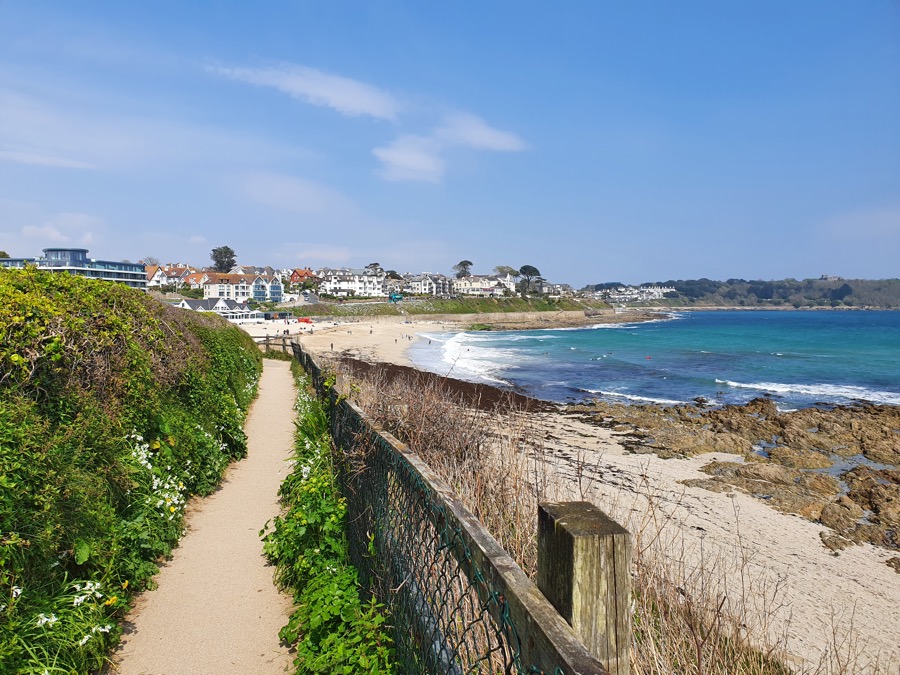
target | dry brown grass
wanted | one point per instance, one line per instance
(694, 611)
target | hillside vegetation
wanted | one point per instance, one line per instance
(875, 293)
(114, 409)
(418, 306)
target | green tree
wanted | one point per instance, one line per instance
(392, 274)
(841, 293)
(528, 273)
(463, 268)
(223, 258)
(4, 254)
(503, 270)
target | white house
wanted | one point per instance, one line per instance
(168, 275)
(344, 282)
(428, 284)
(242, 287)
(482, 286)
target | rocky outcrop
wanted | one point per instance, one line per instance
(786, 489)
(833, 465)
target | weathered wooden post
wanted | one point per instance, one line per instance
(584, 570)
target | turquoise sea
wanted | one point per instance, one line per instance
(798, 358)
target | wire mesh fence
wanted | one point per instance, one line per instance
(458, 603)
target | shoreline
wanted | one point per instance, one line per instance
(786, 551)
(388, 338)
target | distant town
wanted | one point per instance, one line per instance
(239, 291)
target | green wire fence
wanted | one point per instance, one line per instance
(458, 602)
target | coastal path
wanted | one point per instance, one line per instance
(216, 610)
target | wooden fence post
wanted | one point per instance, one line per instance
(584, 570)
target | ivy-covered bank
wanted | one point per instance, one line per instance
(114, 409)
(331, 629)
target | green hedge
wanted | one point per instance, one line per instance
(114, 409)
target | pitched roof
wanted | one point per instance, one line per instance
(208, 304)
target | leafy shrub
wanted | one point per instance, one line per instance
(114, 409)
(332, 630)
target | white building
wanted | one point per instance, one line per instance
(428, 284)
(229, 309)
(242, 287)
(482, 286)
(639, 294)
(346, 283)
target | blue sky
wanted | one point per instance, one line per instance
(595, 140)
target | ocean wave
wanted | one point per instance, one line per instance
(632, 397)
(821, 391)
(464, 358)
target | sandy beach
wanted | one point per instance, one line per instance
(375, 340)
(819, 600)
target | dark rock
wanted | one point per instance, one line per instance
(841, 515)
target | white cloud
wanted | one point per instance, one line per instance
(197, 239)
(64, 228)
(41, 159)
(347, 96)
(296, 195)
(472, 131)
(415, 158)
(420, 158)
(45, 232)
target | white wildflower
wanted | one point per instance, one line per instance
(43, 618)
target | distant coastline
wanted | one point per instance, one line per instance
(755, 308)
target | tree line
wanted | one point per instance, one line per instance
(530, 275)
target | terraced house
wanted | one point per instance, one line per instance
(344, 282)
(242, 287)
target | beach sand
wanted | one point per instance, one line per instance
(385, 341)
(815, 597)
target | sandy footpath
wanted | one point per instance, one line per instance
(216, 609)
(817, 595)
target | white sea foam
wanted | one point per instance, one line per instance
(462, 357)
(822, 392)
(633, 397)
